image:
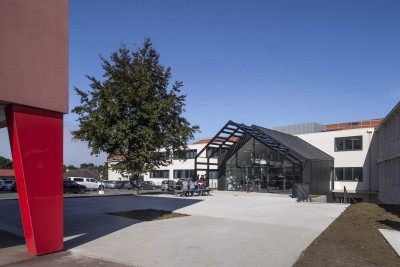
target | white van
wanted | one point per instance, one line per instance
(90, 183)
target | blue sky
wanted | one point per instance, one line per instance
(269, 63)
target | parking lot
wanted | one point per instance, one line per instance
(223, 229)
(107, 192)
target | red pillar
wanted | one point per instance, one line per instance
(36, 138)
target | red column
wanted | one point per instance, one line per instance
(36, 138)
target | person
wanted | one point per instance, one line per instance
(192, 187)
(185, 187)
(206, 182)
(203, 186)
(178, 187)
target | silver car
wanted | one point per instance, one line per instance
(9, 185)
(168, 185)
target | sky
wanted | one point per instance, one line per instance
(269, 63)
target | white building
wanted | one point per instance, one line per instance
(180, 168)
(352, 161)
(113, 175)
(366, 157)
(183, 166)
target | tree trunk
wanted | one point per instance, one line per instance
(135, 184)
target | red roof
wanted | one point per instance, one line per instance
(117, 157)
(353, 125)
(6, 173)
(202, 141)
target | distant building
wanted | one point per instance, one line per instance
(7, 174)
(313, 127)
(178, 169)
(302, 128)
(353, 125)
(113, 175)
(360, 159)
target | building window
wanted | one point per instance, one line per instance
(348, 143)
(189, 174)
(163, 155)
(215, 152)
(349, 174)
(212, 175)
(188, 154)
(159, 174)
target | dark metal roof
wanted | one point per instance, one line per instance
(301, 148)
(233, 134)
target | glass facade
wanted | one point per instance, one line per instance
(255, 167)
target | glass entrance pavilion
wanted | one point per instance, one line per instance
(257, 159)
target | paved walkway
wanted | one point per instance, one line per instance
(225, 229)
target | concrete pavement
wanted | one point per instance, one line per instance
(225, 229)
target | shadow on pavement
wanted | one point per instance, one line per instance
(85, 219)
(10, 240)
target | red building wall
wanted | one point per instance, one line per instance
(34, 93)
(34, 53)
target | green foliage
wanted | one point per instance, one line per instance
(105, 171)
(88, 166)
(134, 112)
(5, 163)
(71, 167)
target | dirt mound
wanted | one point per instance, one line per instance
(353, 239)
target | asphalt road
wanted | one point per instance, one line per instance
(107, 192)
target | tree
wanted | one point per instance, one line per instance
(88, 166)
(70, 167)
(105, 171)
(134, 113)
(5, 163)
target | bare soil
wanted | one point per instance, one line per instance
(148, 215)
(353, 239)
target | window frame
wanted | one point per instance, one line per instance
(185, 154)
(159, 174)
(185, 172)
(344, 141)
(212, 174)
(345, 172)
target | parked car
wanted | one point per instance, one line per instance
(122, 184)
(1, 183)
(168, 185)
(109, 184)
(90, 183)
(9, 185)
(73, 187)
(128, 185)
(147, 185)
